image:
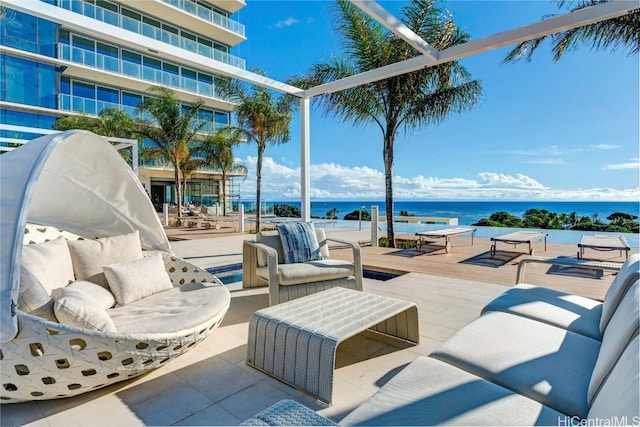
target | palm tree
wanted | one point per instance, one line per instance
(407, 101)
(618, 33)
(218, 153)
(262, 117)
(172, 127)
(110, 122)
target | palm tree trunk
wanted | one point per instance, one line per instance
(224, 194)
(259, 184)
(177, 176)
(388, 184)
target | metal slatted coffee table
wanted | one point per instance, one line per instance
(296, 341)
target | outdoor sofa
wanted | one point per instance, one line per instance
(535, 356)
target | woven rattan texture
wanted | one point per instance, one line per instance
(48, 360)
(296, 341)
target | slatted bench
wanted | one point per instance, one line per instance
(296, 341)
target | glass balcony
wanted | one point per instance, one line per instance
(113, 18)
(208, 15)
(136, 70)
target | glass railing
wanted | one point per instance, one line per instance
(208, 15)
(113, 18)
(138, 71)
(94, 107)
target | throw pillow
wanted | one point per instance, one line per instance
(299, 242)
(49, 262)
(76, 308)
(33, 298)
(103, 297)
(89, 256)
(134, 280)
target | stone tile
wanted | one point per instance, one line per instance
(169, 406)
(213, 415)
(250, 401)
(217, 378)
(105, 411)
(17, 414)
(140, 391)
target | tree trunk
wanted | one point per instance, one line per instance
(224, 194)
(389, 138)
(178, 174)
(259, 184)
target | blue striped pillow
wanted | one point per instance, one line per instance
(299, 242)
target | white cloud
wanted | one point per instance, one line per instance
(287, 22)
(330, 181)
(633, 164)
(604, 147)
(552, 150)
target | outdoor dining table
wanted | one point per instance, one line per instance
(517, 237)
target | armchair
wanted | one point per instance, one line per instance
(263, 265)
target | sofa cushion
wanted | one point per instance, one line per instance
(134, 280)
(299, 242)
(629, 273)
(572, 312)
(74, 307)
(548, 364)
(33, 298)
(322, 241)
(271, 239)
(432, 392)
(174, 310)
(623, 326)
(50, 263)
(89, 256)
(103, 297)
(312, 271)
(619, 396)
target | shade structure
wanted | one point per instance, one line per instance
(75, 181)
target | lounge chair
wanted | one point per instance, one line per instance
(92, 224)
(263, 264)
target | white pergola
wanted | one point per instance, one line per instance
(429, 56)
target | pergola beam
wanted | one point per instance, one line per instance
(381, 15)
(546, 27)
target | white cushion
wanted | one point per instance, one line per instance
(540, 361)
(76, 308)
(177, 309)
(431, 392)
(312, 271)
(629, 273)
(299, 242)
(622, 327)
(89, 256)
(33, 298)
(103, 297)
(134, 280)
(619, 396)
(572, 312)
(50, 263)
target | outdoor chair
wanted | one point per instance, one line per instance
(263, 264)
(91, 292)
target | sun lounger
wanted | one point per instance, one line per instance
(601, 242)
(518, 237)
(445, 233)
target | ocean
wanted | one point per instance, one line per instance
(469, 212)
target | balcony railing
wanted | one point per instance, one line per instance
(113, 18)
(137, 71)
(208, 15)
(93, 106)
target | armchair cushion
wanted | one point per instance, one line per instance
(299, 242)
(312, 271)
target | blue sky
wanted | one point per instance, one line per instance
(543, 130)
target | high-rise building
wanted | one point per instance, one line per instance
(69, 57)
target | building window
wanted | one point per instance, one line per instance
(28, 82)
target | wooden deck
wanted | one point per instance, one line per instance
(474, 262)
